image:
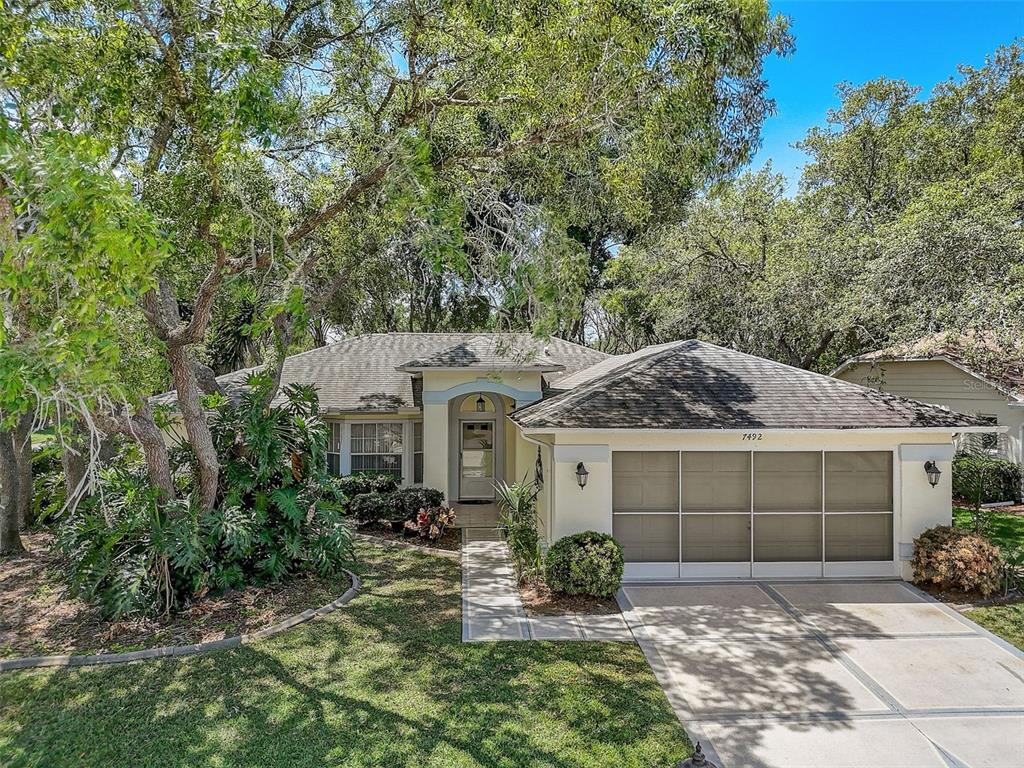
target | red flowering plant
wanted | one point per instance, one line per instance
(432, 522)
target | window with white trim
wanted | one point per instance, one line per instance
(334, 448)
(417, 452)
(377, 448)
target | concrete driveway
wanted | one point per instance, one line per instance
(831, 675)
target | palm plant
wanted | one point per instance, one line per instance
(518, 505)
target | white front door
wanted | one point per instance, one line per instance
(476, 459)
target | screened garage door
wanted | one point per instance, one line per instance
(760, 513)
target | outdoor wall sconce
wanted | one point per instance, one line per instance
(581, 475)
(933, 472)
(481, 404)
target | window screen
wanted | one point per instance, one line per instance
(787, 481)
(858, 481)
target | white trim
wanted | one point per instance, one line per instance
(786, 570)
(921, 452)
(791, 430)
(347, 446)
(739, 570)
(650, 571)
(862, 568)
(570, 454)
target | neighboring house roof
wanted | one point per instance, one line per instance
(360, 373)
(978, 354)
(493, 352)
(693, 385)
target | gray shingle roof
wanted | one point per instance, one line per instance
(696, 385)
(359, 373)
(491, 351)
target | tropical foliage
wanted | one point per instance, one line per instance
(518, 516)
(278, 513)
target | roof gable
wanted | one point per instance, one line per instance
(693, 385)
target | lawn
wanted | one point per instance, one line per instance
(384, 682)
(1007, 531)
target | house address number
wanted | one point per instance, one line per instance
(753, 435)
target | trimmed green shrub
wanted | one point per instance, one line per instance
(981, 479)
(405, 503)
(587, 563)
(369, 507)
(952, 558)
(363, 483)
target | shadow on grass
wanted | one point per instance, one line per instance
(386, 682)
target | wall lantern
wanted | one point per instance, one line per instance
(581, 475)
(481, 404)
(932, 470)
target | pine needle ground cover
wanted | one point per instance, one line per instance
(384, 682)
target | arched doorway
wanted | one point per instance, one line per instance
(476, 445)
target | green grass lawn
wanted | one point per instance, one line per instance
(1005, 529)
(385, 682)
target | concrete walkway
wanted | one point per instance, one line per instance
(831, 675)
(493, 610)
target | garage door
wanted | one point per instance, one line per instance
(762, 513)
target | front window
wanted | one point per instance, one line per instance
(989, 440)
(377, 448)
(417, 452)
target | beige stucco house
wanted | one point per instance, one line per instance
(702, 461)
(936, 369)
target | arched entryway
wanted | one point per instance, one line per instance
(476, 445)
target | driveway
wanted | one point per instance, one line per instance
(831, 675)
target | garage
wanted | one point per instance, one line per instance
(714, 514)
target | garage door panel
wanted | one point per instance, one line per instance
(787, 481)
(858, 538)
(787, 538)
(647, 538)
(716, 538)
(645, 481)
(716, 481)
(858, 481)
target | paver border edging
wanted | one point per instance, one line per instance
(381, 541)
(167, 651)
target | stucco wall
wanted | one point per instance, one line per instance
(917, 505)
(938, 382)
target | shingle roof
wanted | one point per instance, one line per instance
(980, 353)
(359, 373)
(492, 351)
(696, 385)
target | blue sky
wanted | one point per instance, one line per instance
(859, 40)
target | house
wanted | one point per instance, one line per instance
(955, 373)
(703, 462)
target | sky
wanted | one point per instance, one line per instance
(858, 40)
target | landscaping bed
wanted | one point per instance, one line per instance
(387, 681)
(39, 618)
(539, 600)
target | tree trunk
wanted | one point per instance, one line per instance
(22, 437)
(194, 417)
(158, 461)
(10, 527)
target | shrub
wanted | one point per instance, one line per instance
(951, 558)
(369, 507)
(979, 479)
(363, 483)
(519, 519)
(405, 503)
(278, 513)
(588, 563)
(432, 522)
(48, 488)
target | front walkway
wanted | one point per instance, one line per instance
(492, 609)
(831, 675)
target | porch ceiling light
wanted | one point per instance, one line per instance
(481, 404)
(581, 475)
(933, 472)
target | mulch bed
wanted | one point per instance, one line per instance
(451, 540)
(538, 600)
(38, 617)
(964, 601)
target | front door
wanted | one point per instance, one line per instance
(476, 459)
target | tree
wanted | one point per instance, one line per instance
(75, 250)
(264, 136)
